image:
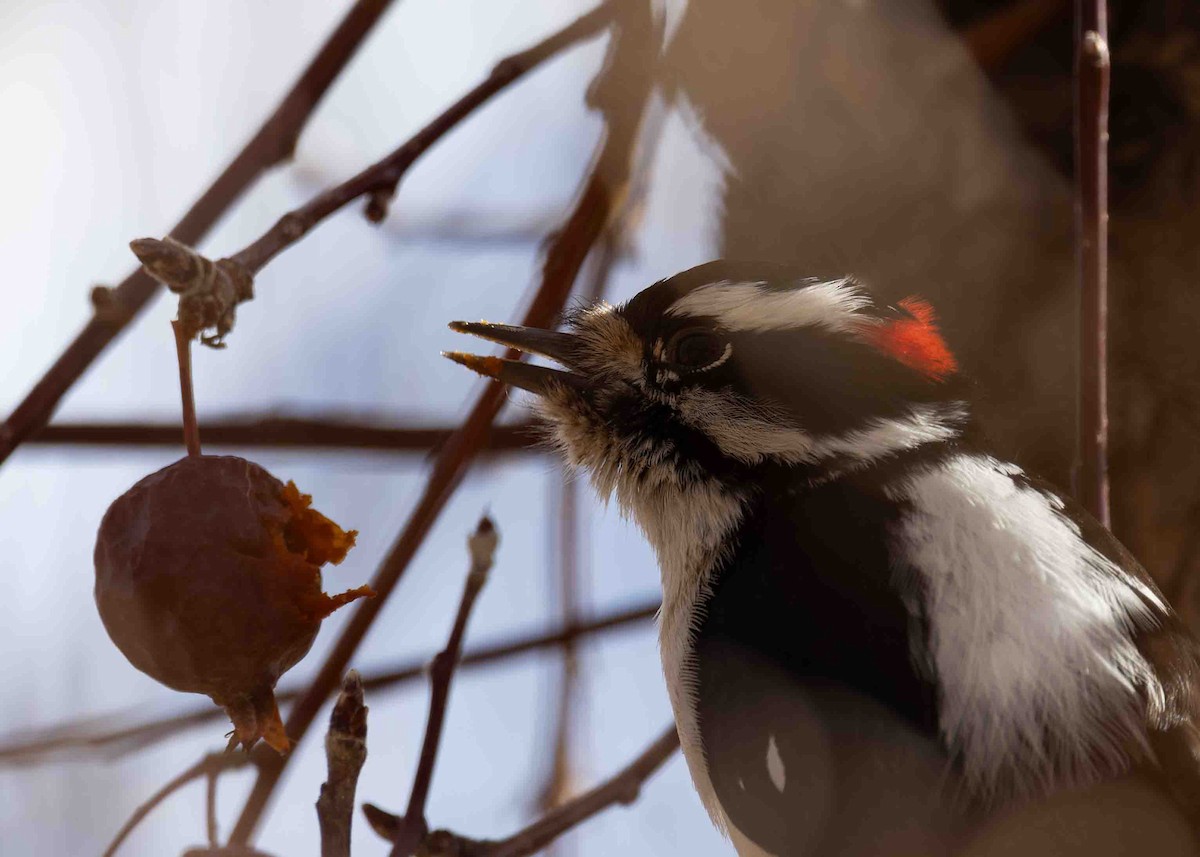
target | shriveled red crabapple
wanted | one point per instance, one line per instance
(208, 579)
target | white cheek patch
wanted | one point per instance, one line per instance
(743, 430)
(835, 306)
(886, 436)
(1030, 631)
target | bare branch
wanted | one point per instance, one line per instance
(78, 736)
(183, 352)
(558, 785)
(210, 810)
(326, 432)
(1091, 226)
(209, 292)
(623, 788)
(211, 764)
(345, 752)
(273, 144)
(627, 74)
(482, 544)
(380, 180)
(216, 287)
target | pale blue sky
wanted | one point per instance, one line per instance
(117, 113)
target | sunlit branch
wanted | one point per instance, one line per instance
(345, 753)
(273, 144)
(626, 81)
(624, 787)
(210, 765)
(328, 432)
(413, 827)
(81, 739)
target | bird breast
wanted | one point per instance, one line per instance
(689, 527)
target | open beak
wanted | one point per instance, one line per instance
(560, 347)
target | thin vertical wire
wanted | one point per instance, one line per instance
(563, 523)
(1091, 225)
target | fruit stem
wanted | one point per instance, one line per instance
(183, 350)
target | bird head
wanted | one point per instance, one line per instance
(728, 368)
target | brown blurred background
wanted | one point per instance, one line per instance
(923, 146)
(928, 149)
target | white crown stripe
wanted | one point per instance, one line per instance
(834, 305)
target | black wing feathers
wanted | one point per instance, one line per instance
(805, 631)
(1174, 654)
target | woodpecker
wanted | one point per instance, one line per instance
(878, 637)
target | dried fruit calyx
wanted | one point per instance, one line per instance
(208, 580)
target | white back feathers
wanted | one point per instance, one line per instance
(1030, 631)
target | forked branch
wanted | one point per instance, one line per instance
(274, 143)
(333, 431)
(210, 290)
(412, 827)
(623, 787)
(345, 753)
(621, 91)
(211, 765)
(81, 739)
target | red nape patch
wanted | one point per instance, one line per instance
(915, 341)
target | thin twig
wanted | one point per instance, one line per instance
(467, 227)
(379, 181)
(272, 145)
(609, 249)
(183, 352)
(76, 737)
(627, 75)
(185, 271)
(1091, 222)
(209, 292)
(210, 810)
(567, 549)
(213, 763)
(557, 787)
(345, 753)
(623, 788)
(325, 432)
(482, 546)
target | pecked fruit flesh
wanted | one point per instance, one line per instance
(208, 580)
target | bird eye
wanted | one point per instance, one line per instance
(696, 349)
